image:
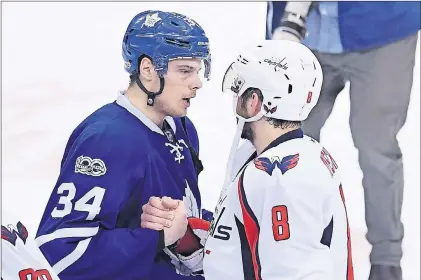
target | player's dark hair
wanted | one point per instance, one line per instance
(132, 81)
(275, 122)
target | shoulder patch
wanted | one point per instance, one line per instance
(268, 165)
(88, 166)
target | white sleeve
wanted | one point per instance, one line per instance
(21, 258)
(290, 223)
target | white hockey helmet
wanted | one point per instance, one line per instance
(287, 73)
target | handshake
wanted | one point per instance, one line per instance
(184, 237)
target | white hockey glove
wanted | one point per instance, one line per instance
(187, 254)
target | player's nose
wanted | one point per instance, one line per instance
(196, 83)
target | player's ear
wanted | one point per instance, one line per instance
(255, 104)
(146, 69)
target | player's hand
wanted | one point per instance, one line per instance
(165, 214)
(158, 213)
(179, 225)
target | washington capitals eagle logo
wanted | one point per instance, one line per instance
(268, 165)
(269, 109)
(11, 233)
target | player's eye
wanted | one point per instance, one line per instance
(185, 71)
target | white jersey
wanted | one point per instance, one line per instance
(283, 217)
(20, 257)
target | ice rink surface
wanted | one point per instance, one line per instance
(61, 61)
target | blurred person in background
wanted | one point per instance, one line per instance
(372, 46)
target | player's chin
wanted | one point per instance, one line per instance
(178, 113)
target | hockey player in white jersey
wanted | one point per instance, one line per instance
(281, 214)
(20, 257)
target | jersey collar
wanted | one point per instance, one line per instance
(293, 134)
(124, 102)
(297, 133)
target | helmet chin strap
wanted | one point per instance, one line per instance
(234, 147)
(151, 95)
(236, 141)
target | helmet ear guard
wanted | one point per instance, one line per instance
(232, 81)
(162, 37)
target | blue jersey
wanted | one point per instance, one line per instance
(114, 161)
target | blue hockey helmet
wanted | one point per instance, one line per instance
(162, 37)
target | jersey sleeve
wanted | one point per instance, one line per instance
(283, 225)
(78, 233)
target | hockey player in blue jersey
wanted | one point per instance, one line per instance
(139, 146)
